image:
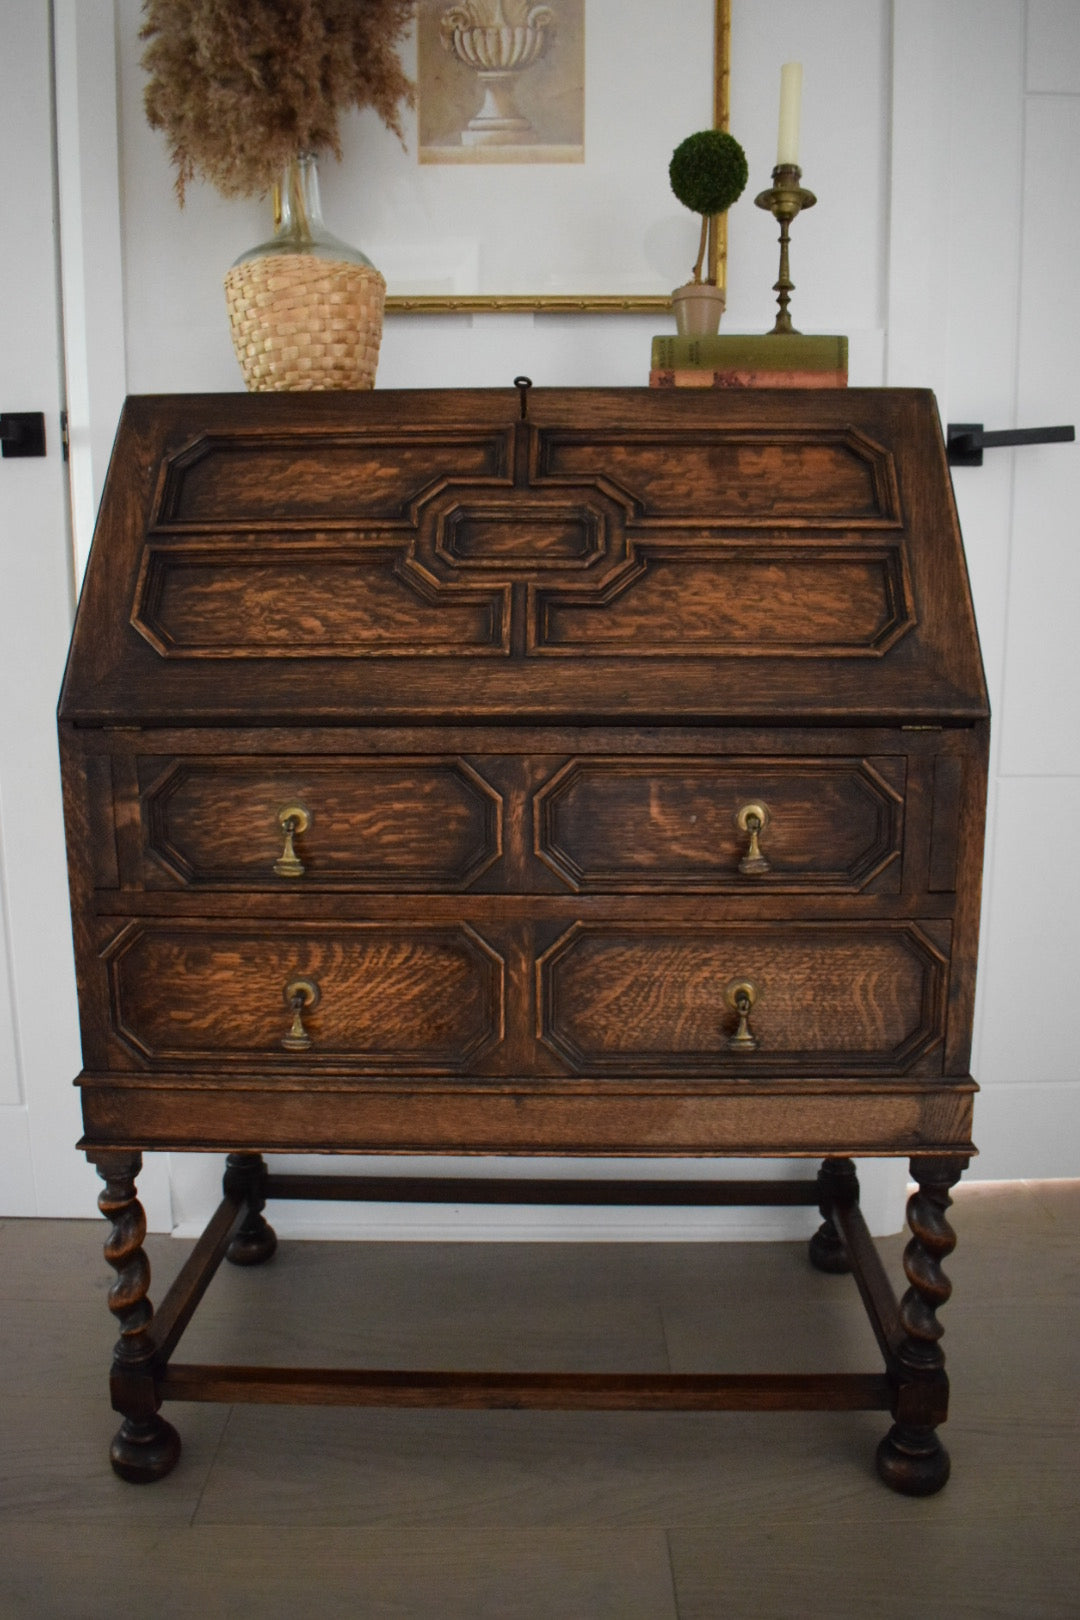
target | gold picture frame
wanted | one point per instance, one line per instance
(594, 303)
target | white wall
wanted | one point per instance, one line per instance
(174, 261)
(39, 1042)
(1027, 1053)
(930, 153)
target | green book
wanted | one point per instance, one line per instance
(757, 352)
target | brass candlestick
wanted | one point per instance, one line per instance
(784, 200)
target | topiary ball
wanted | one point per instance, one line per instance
(708, 171)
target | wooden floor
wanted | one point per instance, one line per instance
(281, 1512)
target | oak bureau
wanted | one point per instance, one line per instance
(527, 771)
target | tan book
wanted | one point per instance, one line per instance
(701, 377)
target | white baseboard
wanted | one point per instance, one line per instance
(525, 1223)
(883, 1196)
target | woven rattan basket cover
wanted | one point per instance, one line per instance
(300, 322)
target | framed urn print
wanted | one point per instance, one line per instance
(500, 81)
(533, 174)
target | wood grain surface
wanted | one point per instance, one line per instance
(522, 673)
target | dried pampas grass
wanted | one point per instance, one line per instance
(240, 89)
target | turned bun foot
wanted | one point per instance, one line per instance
(253, 1244)
(144, 1451)
(913, 1461)
(826, 1250)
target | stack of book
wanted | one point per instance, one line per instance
(774, 360)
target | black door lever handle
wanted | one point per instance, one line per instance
(966, 441)
(22, 433)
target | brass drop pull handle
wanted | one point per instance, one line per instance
(752, 819)
(301, 995)
(293, 821)
(740, 996)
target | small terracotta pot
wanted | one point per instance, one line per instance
(698, 306)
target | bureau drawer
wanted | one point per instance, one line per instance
(734, 823)
(509, 995)
(746, 998)
(400, 823)
(375, 996)
(525, 823)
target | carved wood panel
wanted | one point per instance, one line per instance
(737, 475)
(245, 600)
(231, 477)
(412, 544)
(390, 998)
(717, 600)
(672, 824)
(648, 998)
(374, 824)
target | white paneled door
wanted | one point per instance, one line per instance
(985, 238)
(1028, 1048)
(42, 355)
(39, 1047)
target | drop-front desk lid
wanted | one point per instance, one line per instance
(622, 554)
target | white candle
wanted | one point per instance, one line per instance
(787, 144)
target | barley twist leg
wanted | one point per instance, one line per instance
(911, 1458)
(145, 1447)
